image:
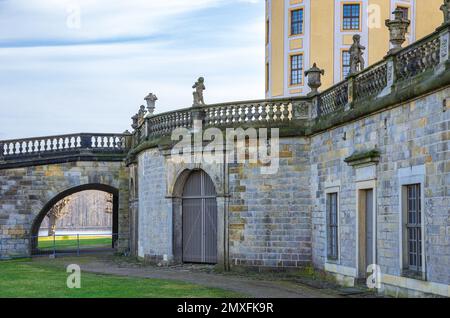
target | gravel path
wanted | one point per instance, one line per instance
(253, 287)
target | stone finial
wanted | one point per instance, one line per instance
(314, 78)
(356, 55)
(199, 87)
(445, 8)
(151, 102)
(398, 27)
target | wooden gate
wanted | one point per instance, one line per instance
(199, 219)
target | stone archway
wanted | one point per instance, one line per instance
(178, 195)
(34, 232)
(199, 219)
(31, 191)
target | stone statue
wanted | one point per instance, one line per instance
(135, 125)
(151, 101)
(356, 55)
(199, 87)
(445, 8)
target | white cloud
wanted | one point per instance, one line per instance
(98, 87)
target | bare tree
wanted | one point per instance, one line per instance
(58, 211)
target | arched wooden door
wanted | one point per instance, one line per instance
(199, 219)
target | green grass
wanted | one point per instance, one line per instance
(28, 279)
(71, 242)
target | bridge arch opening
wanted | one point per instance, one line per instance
(38, 221)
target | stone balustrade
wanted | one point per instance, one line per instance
(51, 146)
(373, 82)
(418, 58)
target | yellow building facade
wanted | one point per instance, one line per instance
(302, 32)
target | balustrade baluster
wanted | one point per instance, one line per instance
(278, 112)
(263, 114)
(286, 111)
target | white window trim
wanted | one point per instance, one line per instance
(330, 190)
(409, 176)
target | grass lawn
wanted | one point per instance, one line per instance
(71, 242)
(28, 279)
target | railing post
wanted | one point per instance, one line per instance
(197, 113)
(350, 92)
(54, 245)
(127, 140)
(315, 107)
(86, 141)
(2, 151)
(78, 244)
(390, 76)
(444, 50)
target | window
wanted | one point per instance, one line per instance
(414, 227)
(267, 77)
(297, 22)
(405, 12)
(345, 64)
(267, 32)
(332, 219)
(296, 69)
(351, 17)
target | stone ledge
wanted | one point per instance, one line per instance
(365, 157)
(339, 269)
(416, 285)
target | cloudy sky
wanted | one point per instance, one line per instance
(85, 65)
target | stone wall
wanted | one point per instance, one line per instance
(24, 192)
(155, 210)
(413, 136)
(270, 215)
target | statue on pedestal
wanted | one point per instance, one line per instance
(199, 87)
(356, 55)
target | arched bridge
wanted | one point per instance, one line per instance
(35, 173)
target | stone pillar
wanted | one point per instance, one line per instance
(314, 113)
(350, 92)
(2, 151)
(390, 76)
(177, 232)
(197, 113)
(222, 233)
(444, 50)
(134, 210)
(124, 212)
(86, 141)
(445, 45)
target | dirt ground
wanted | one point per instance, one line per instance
(250, 284)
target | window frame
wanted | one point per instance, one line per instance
(332, 196)
(413, 225)
(300, 70)
(343, 76)
(406, 177)
(343, 17)
(291, 23)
